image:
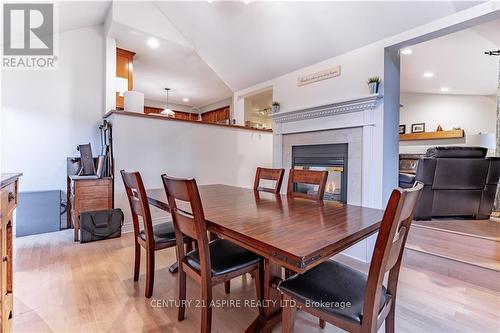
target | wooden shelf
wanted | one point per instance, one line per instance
(455, 134)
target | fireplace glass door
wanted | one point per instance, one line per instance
(330, 157)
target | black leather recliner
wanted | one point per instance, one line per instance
(458, 181)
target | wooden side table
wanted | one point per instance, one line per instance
(8, 199)
(87, 195)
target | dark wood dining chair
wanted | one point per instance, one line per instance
(310, 177)
(211, 263)
(268, 174)
(327, 285)
(151, 237)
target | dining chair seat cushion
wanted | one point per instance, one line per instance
(163, 233)
(328, 287)
(225, 257)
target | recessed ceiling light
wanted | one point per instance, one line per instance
(428, 74)
(445, 89)
(153, 43)
(407, 51)
(185, 99)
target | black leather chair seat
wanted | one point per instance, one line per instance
(163, 233)
(225, 257)
(327, 285)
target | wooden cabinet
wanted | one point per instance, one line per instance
(88, 195)
(125, 70)
(186, 115)
(216, 116)
(151, 109)
(178, 114)
(8, 198)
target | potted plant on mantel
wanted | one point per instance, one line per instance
(373, 84)
(275, 107)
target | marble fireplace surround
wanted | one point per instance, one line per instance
(348, 121)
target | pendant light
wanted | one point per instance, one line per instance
(168, 112)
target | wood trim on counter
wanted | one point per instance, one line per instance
(160, 117)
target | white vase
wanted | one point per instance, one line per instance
(275, 108)
(373, 87)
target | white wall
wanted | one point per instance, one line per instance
(211, 154)
(473, 114)
(46, 114)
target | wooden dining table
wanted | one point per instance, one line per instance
(294, 233)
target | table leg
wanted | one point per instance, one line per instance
(271, 314)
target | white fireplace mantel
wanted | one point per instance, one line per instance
(356, 121)
(358, 112)
(339, 107)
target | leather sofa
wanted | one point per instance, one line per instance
(408, 169)
(458, 181)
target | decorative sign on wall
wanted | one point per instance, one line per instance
(319, 76)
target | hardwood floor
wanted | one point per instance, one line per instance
(62, 286)
(468, 250)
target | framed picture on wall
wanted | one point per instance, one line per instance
(402, 129)
(418, 128)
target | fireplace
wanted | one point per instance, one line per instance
(329, 157)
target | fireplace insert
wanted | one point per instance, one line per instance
(329, 157)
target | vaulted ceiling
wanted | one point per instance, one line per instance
(171, 65)
(244, 43)
(248, 43)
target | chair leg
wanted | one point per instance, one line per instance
(322, 323)
(182, 294)
(288, 315)
(390, 320)
(150, 272)
(227, 286)
(137, 265)
(206, 310)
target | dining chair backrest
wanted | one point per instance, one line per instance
(138, 201)
(189, 219)
(310, 177)
(389, 248)
(268, 174)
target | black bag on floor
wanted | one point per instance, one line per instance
(102, 224)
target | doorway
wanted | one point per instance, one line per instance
(257, 110)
